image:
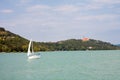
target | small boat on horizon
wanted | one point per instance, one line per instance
(30, 53)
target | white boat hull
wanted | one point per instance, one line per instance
(34, 57)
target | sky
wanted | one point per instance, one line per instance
(55, 20)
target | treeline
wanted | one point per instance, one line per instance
(78, 44)
(10, 42)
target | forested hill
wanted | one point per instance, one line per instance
(10, 42)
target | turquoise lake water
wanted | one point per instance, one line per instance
(62, 65)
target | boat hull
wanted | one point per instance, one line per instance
(34, 57)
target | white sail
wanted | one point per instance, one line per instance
(29, 48)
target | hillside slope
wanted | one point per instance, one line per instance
(78, 44)
(10, 42)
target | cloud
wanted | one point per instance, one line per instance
(99, 17)
(7, 11)
(92, 6)
(38, 8)
(67, 8)
(51, 9)
(106, 1)
(100, 4)
(23, 2)
(44, 16)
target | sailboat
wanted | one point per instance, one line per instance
(31, 54)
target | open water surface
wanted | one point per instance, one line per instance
(62, 65)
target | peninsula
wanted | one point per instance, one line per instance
(11, 42)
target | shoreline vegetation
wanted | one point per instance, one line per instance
(10, 42)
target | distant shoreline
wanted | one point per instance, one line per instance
(11, 42)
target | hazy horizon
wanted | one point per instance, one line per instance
(55, 20)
